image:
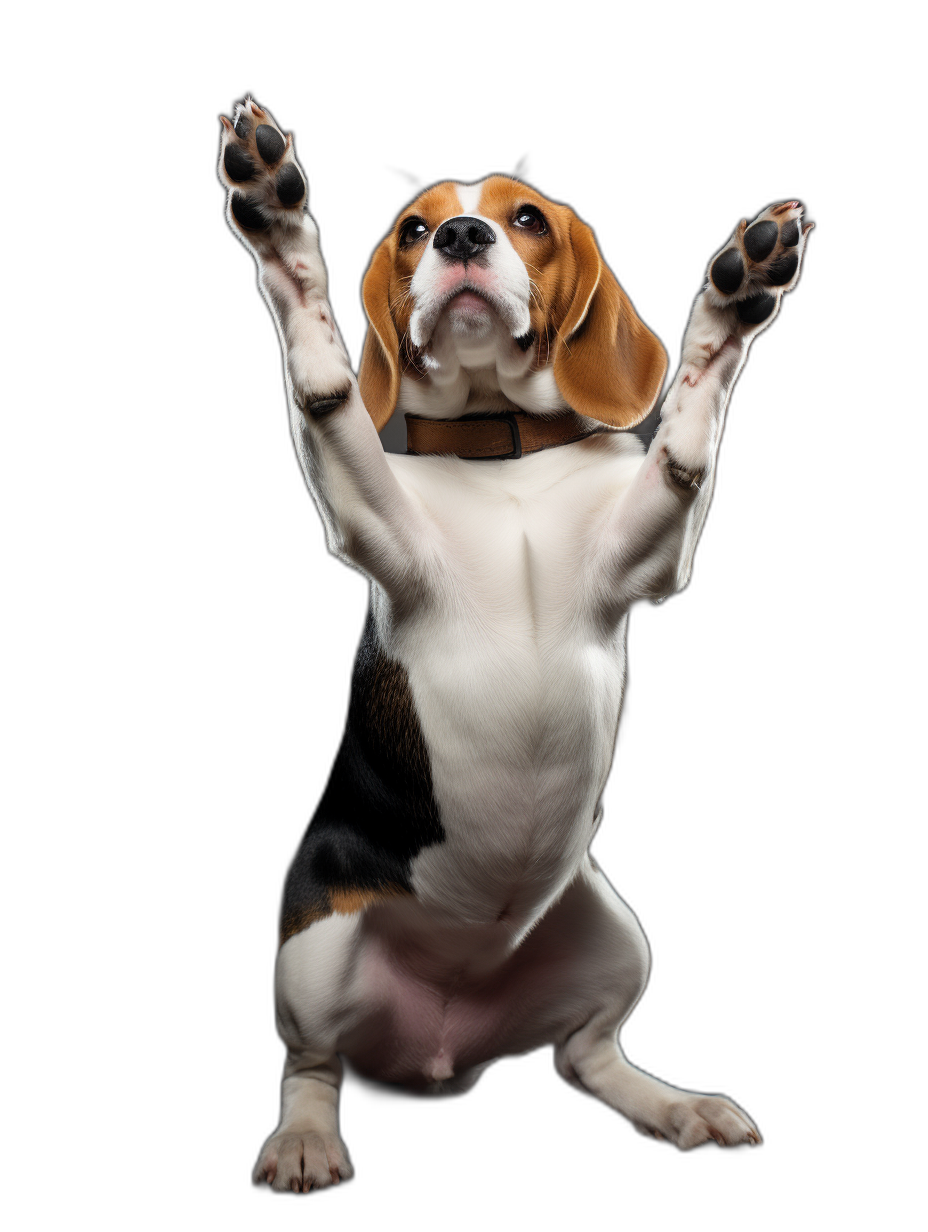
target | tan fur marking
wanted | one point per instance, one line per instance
(348, 902)
(607, 363)
(340, 902)
(385, 292)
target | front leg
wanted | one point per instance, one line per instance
(653, 532)
(369, 518)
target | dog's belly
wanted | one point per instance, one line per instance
(407, 998)
(430, 1008)
(415, 1032)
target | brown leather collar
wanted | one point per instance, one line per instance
(497, 435)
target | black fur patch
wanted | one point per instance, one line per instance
(269, 142)
(378, 810)
(789, 234)
(247, 214)
(239, 165)
(290, 186)
(756, 309)
(727, 271)
(760, 239)
(782, 269)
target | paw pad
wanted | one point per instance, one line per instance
(270, 143)
(247, 214)
(782, 269)
(239, 165)
(728, 271)
(255, 152)
(289, 184)
(757, 308)
(758, 258)
(323, 406)
(760, 239)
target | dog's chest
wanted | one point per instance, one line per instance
(516, 682)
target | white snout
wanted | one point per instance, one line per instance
(498, 281)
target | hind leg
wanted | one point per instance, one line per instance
(593, 1060)
(613, 973)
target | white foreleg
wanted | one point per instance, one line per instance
(652, 534)
(369, 518)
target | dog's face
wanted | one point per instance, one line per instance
(489, 296)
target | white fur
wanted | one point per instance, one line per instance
(504, 590)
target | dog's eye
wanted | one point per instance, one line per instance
(527, 218)
(412, 229)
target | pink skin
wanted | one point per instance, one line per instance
(469, 300)
(426, 1013)
(469, 308)
(473, 276)
(470, 290)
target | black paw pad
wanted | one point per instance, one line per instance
(727, 271)
(756, 309)
(269, 142)
(782, 269)
(760, 239)
(290, 186)
(789, 236)
(322, 406)
(247, 214)
(239, 166)
(242, 127)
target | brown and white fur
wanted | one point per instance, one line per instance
(500, 593)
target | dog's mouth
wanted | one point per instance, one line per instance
(467, 301)
(468, 306)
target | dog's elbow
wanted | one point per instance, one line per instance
(654, 574)
(670, 580)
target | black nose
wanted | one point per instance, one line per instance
(459, 239)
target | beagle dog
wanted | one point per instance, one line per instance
(443, 908)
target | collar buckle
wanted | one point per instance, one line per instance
(509, 418)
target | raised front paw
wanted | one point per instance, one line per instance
(257, 163)
(759, 263)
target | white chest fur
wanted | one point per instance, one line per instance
(516, 678)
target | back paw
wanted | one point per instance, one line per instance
(693, 1119)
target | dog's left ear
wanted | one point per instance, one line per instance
(379, 374)
(607, 363)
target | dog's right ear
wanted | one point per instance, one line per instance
(379, 374)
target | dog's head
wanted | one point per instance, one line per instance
(489, 296)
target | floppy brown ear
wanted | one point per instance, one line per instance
(379, 374)
(607, 363)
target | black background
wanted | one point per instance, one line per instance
(720, 827)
